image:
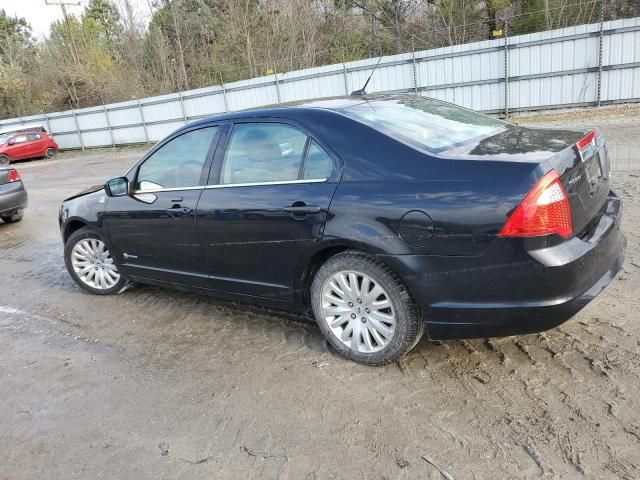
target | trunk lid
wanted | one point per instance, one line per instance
(579, 157)
(584, 171)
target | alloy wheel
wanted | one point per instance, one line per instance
(93, 264)
(358, 311)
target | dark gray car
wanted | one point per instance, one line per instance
(13, 195)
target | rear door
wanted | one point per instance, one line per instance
(267, 203)
(37, 145)
(153, 230)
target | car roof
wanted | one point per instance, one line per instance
(294, 109)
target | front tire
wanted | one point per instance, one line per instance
(91, 265)
(13, 217)
(4, 160)
(364, 310)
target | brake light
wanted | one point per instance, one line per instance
(545, 210)
(586, 140)
(13, 176)
(587, 144)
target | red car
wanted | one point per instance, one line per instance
(31, 143)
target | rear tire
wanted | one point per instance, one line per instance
(50, 152)
(364, 310)
(13, 217)
(4, 160)
(91, 265)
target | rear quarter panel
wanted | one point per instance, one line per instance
(467, 202)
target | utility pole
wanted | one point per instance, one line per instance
(63, 5)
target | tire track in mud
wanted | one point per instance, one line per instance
(234, 388)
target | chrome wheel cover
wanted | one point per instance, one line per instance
(93, 264)
(358, 311)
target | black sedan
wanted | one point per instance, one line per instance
(13, 196)
(387, 216)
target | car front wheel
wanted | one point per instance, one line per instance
(91, 265)
(13, 217)
(4, 160)
(364, 310)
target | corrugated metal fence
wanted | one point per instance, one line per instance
(596, 64)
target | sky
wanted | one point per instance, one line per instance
(40, 15)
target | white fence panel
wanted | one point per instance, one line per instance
(556, 68)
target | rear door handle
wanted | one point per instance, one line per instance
(178, 211)
(302, 209)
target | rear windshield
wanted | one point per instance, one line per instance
(424, 122)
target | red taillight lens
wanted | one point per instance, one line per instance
(13, 176)
(544, 211)
(587, 140)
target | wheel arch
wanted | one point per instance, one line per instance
(313, 260)
(71, 227)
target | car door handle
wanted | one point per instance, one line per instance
(302, 209)
(178, 211)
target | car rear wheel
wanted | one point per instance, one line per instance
(364, 310)
(4, 160)
(51, 152)
(91, 265)
(13, 217)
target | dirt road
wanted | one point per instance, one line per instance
(160, 384)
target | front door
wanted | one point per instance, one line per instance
(268, 205)
(153, 229)
(19, 148)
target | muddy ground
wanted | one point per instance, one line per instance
(160, 384)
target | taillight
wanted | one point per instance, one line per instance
(544, 211)
(587, 144)
(13, 176)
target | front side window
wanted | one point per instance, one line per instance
(178, 163)
(19, 139)
(263, 152)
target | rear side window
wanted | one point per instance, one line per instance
(263, 152)
(178, 163)
(319, 164)
(426, 123)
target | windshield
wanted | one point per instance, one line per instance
(3, 138)
(424, 122)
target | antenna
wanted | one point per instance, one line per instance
(362, 90)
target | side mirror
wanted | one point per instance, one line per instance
(117, 187)
(11, 142)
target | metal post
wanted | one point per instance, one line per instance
(144, 123)
(46, 119)
(415, 71)
(184, 111)
(106, 116)
(506, 70)
(600, 42)
(75, 119)
(277, 87)
(344, 74)
(224, 94)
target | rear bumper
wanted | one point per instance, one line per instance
(12, 196)
(512, 289)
